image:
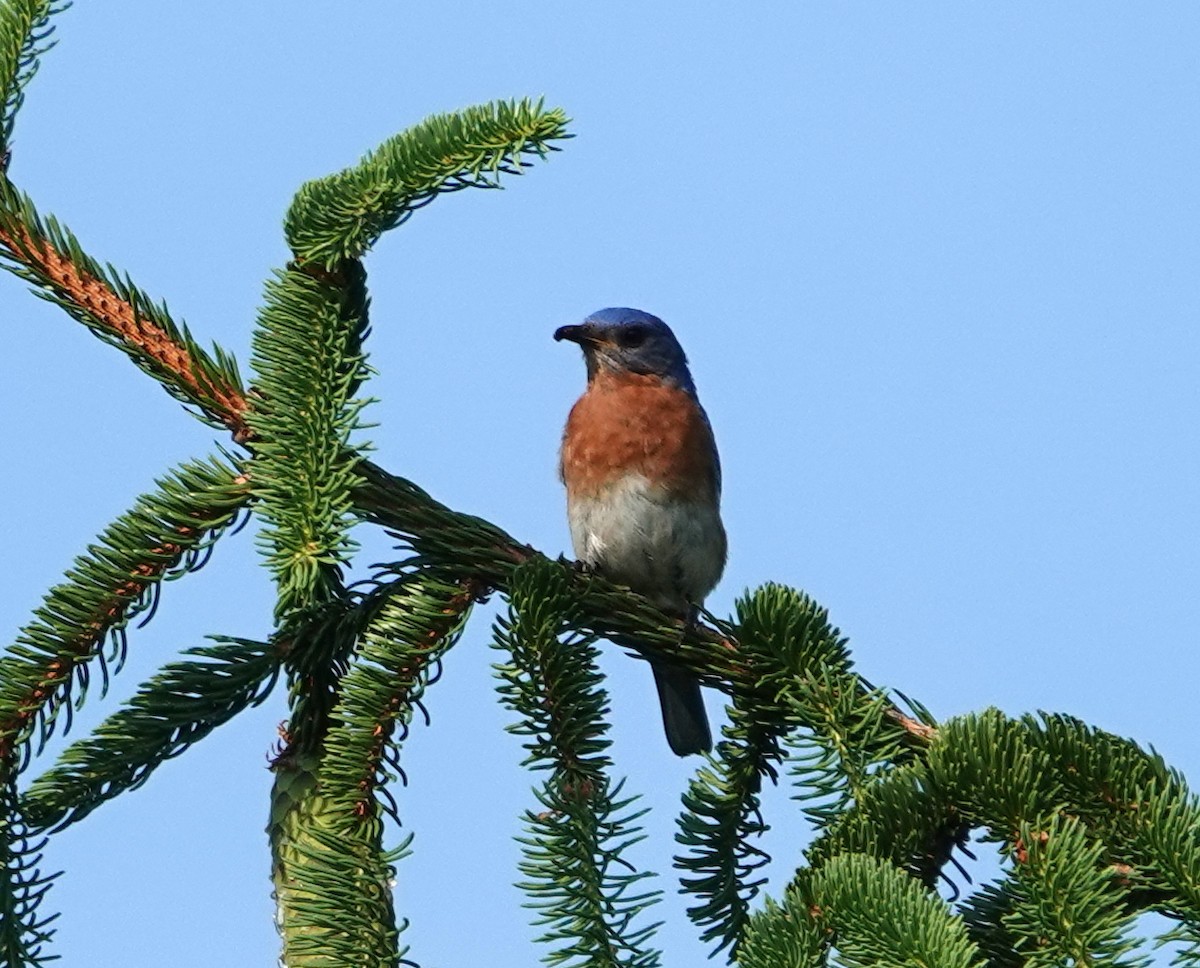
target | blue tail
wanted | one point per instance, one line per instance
(684, 718)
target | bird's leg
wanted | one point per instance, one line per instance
(689, 622)
(578, 565)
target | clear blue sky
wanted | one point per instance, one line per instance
(936, 266)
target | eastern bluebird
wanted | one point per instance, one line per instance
(644, 485)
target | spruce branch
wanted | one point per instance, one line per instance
(398, 655)
(25, 31)
(332, 877)
(1105, 778)
(841, 727)
(49, 257)
(988, 767)
(333, 891)
(168, 531)
(309, 362)
(24, 932)
(881, 917)
(341, 216)
(721, 819)
(589, 898)
(1066, 906)
(484, 552)
(1025, 783)
(978, 772)
(178, 707)
(803, 684)
(784, 935)
(321, 646)
(308, 347)
(897, 818)
(1134, 804)
(847, 736)
(1166, 837)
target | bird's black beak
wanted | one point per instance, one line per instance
(576, 334)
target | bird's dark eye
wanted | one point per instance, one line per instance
(631, 337)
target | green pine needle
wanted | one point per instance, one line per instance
(147, 333)
(589, 898)
(309, 361)
(24, 37)
(340, 217)
(333, 877)
(1066, 906)
(883, 918)
(784, 936)
(24, 931)
(82, 621)
(175, 709)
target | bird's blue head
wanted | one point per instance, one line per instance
(630, 341)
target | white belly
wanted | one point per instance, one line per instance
(671, 551)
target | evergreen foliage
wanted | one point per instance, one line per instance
(24, 36)
(84, 620)
(340, 217)
(46, 255)
(1094, 830)
(308, 357)
(24, 931)
(176, 708)
(332, 874)
(575, 841)
(1062, 905)
(879, 916)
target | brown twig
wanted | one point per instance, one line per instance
(91, 634)
(118, 316)
(409, 686)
